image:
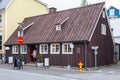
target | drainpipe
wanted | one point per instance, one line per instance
(85, 63)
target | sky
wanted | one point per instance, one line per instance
(67, 4)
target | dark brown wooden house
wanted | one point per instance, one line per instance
(66, 37)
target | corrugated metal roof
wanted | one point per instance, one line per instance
(4, 3)
(78, 27)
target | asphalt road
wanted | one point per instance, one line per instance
(18, 75)
(35, 73)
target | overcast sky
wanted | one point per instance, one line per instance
(66, 4)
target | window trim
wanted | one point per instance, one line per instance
(1, 39)
(58, 27)
(103, 14)
(22, 50)
(14, 50)
(103, 29)
(63, 49)
(40, 51)
(112, 12)
(54, 52)
(1, 19)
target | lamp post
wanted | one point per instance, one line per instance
(69, 66)
(20, 39)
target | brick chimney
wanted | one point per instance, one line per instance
(52, 10)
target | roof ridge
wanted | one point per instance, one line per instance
(67, 10)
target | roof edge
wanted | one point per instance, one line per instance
(96, 24)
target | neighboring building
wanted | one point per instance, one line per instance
(113, 12)
(66, 37)
(114, 19)
(13, 12)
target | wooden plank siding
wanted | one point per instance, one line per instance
(77, 30)
(105, 43)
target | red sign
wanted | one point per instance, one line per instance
(20, 40)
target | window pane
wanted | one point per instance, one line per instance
(65, 48)
(69, 49)
(111, 12)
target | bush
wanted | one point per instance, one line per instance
(40, 58)
(22, 57)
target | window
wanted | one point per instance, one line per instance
(23, 49)
(103, 14)
(15, 49)
(58, 27)
(66, 48)
(0, 19)
(103, 29)
(43, 49)
(111, 12)
(20, 33)
(55, 48)
(0, 40)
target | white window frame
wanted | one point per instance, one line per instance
(112, 12)
(1, 39)
(103, 14)
(23, 49)
(42, 46)
(55, 51)
(15, 49)
(20, 33)
(58, 27)
(1, 20)
(103, 29)
(68, 46)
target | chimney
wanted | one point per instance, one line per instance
(52, 10)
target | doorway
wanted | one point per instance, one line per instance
(33, 54)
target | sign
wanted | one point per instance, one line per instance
(7, 48)
(95, 47)
(10, 60)
(71, 46)
(20, 40)
(46, 62)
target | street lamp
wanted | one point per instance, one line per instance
(69, 66)
(20, 38)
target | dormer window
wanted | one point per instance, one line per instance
(20, 33)
(112, 12)
(58, 27)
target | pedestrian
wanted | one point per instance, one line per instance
(34, 54)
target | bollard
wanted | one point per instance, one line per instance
(80, 66)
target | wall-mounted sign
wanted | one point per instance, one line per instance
(71, 45)
(94, 47)
(20, 40)
(7, 48)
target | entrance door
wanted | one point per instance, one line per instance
(33, 54)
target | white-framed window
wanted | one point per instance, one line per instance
(103, 14)
(55, 48)
(58, 27)
(0, 39)
(43, 49)
(0, 19)
(66, 48)
(23, 49)
(103, 29)
(20, 33)
(112, 12)
(15, 49)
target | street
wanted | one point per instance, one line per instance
(35, 73)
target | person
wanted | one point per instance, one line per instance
(34, 54)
